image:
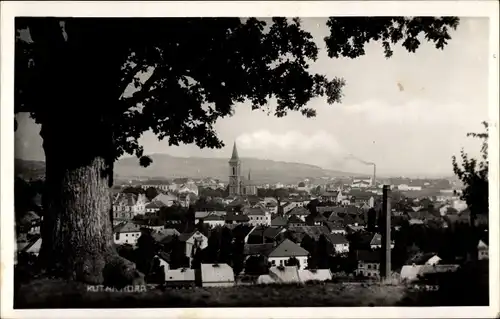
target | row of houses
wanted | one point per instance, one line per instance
(127, 205)
(222, 275)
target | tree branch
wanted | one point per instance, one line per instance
(128, 79)
(144, 92)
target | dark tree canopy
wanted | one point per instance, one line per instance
(196, 68)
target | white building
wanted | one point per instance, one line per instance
(339, 242)
(214, 220)
(258, 216)
(280, 255)
(126, 233)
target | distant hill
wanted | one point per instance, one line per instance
(167, 166)
(262, 171)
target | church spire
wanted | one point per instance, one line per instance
(235, 156)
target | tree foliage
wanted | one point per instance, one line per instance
(474, 175)
(188, 72)
(151, 193)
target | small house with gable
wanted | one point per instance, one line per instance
(286, 250)
(126, 233)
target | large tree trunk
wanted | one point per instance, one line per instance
(77, 240)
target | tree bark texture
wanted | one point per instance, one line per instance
(77, 240)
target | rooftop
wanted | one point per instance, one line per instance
(288, 248)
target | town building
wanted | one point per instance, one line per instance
(126, 233)
(368, 263)
(287, 249)
(339, 242)
(126, 206)
(482, 249)
(214, 220)
(237, 185)
(166, 199)
(258, 216)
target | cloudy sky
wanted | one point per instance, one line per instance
(408, 114)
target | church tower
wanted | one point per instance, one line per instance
(234, 173)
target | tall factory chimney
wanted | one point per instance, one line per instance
(374, 175)
(385, 265)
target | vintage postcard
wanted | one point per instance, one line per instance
(250, 159)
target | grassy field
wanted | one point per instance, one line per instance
(468, 287)
(45, 293)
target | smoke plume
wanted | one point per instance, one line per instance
(352, 157)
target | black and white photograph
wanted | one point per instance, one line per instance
(250, 159)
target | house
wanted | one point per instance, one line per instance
(284, 251)
(214, 220)
(314, 232)
(235, 218)
(200, 215)
(258, 216)
(193, 240)
(271, 204)
(306, 275)
(335, 228)
(127, 233)
(361, 183)
(181, 277)
(279, 221)
(368, 263)
(411, 273)
(355, 228)
(316, 220)
(334, 216)
(294, 221)
(360, 197)
(166, 199)
(154, 207)
(376, 242)
(482, 250)
(216, 275)
(126, 206)
(163, 186)
(339, 242)
(188, 188)
(329, 196)
(287, 207)
(300, 212)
